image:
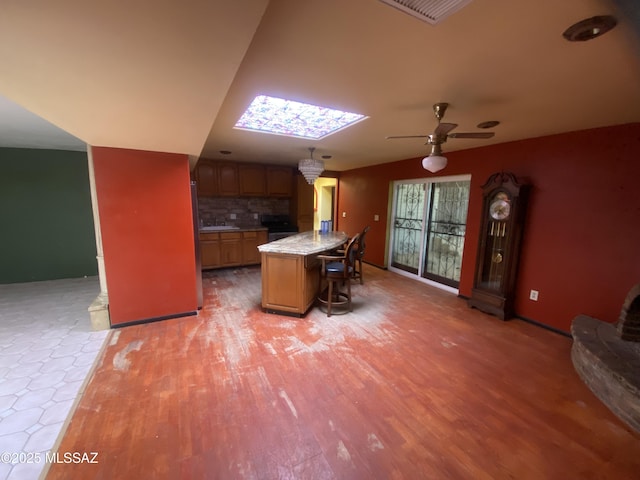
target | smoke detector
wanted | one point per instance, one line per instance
(430, 11)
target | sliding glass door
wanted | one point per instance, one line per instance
(428, 228)
(408, 225)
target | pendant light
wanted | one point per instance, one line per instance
(311, 168)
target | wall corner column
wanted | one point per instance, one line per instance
(99, 308)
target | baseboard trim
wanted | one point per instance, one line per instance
(546, 327)
(155, 319)
(381, 267)
(533, 322)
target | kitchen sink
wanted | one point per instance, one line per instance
(218, 228)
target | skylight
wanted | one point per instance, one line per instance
(286, 117)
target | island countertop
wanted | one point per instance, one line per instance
(306, 243)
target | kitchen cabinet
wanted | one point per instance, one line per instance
(279, 181)
(216, 179)
(250, 242)
(210, 250)
(206, 175)
(228, 184)
(231, 248)
(228, 179)
(291, 271)
(252, 180)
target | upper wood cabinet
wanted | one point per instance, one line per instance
(252, 181)
(228, 184)
(228, 179)
(206, 178)
(279, 181)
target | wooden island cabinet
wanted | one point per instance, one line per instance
(291, 270)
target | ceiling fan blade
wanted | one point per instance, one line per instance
(444, 128)
(408, 136)
(472, 135)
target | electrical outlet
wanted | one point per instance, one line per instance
(255, 216)
(344, 214)
(232, 216)
(533, 295)
(376, 218)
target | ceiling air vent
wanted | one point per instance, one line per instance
(431, 11)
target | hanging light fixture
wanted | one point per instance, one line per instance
(435, 161)
(311, 168)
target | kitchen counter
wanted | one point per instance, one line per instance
(306, 243)
(291, 270)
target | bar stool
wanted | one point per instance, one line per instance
(337, 270)
(360, 248)
(357, 266)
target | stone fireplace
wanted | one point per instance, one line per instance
(607, 358)
(629, 321)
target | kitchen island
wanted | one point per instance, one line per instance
(291, 270)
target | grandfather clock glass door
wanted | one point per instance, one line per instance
(428, 228)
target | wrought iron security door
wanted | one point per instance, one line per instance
(429, 226)
(446, 229)
(407, 226)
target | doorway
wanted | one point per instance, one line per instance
(324, 201)
(428, 227)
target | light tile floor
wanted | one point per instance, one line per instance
(47, 350)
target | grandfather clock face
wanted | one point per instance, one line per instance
(497, 240)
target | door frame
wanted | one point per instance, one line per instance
(392, 211)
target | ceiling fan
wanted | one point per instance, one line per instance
(435, 161)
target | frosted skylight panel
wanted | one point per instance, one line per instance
(286, 117)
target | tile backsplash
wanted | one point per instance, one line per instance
(218, 210)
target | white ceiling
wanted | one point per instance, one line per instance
(175, 76)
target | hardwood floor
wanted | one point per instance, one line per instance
(411, 384)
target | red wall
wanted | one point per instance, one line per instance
(580, 248)
(144, 199)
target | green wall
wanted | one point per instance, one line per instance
(46, 221)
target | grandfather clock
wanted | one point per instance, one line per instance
(503, 208)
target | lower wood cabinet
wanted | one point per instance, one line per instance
(231, 249)
(250, 242)
(210, 250)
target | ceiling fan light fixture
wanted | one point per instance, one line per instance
(590, 28)
(434, 163)
(310, 167)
